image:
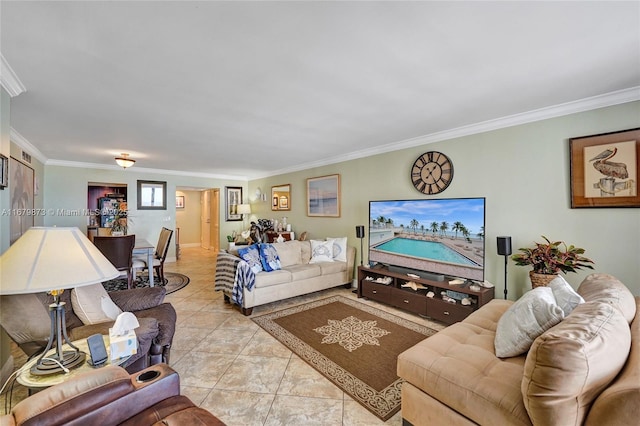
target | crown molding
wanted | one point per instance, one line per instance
(9, 79)
(618, 97)
(135, 169)
(23, 143)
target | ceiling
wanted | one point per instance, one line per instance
(251, 89)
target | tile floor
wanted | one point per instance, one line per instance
(231, 367)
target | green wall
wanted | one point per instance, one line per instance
(523, 171)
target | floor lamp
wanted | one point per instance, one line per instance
(52, 260)
(504, 249)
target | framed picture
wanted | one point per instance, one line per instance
(22, 179)
(152, 195)
(323, 196)
(4, 171)
(232, 199)
(179, 201)
(281, 196)
(604, 170)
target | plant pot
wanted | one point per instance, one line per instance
(540, 280)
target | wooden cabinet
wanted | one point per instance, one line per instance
(394, 289)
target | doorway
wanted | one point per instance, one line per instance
(210, 219)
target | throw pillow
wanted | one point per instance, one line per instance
(88, 302)
(269, 257)
(251, 255)
(339, 248)
(566, 296)
(530, 316)
(321, 251)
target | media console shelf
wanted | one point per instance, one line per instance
(380, 284)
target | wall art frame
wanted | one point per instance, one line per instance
(22, 199)
(232, 199)
(179, 201)
(152, 195)
(4, 172)
(323, 196)
(604, 169)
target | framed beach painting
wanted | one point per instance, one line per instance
(604, 170)
(323, 196)
(232, 199)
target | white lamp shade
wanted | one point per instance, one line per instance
(46, 259)
(244, 208)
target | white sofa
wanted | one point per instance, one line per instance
(296, 277)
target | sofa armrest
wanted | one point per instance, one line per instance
(138, 299)
(105, 396)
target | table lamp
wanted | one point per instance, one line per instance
(244, 210)
(52, 260)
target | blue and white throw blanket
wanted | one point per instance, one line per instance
(232, 276)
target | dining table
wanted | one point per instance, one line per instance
(144, 247)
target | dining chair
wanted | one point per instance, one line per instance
(119, 251)
(140, 262)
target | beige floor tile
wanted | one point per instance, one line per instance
(254, 374)
(239, 408)
(203, 369)
(263, 344)
(186, 339)
(226, 341)
(195, 394)
(301, 379)
(356, 415)
(295, 410)
(207, 320)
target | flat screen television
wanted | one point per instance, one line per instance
(444, 237)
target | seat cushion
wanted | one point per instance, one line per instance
(266, 279)
(570, 364)
(458, 367)
(332, 267)
(166, 316)
(302, 272)
(176, 410)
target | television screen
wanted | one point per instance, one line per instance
(441, 236)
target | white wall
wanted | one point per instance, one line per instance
(523, 171)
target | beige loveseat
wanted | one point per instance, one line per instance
(296, 277)
(585, 370)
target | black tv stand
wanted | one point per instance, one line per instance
(383, 285)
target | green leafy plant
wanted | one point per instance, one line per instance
(553, 257)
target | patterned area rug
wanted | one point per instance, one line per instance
(352, 344)
(173, 281)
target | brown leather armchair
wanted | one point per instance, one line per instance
(25, 318)
(110, 396)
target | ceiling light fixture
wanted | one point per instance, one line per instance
(125, 161)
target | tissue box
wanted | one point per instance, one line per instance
(122, 346)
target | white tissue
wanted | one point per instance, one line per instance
(125, 322)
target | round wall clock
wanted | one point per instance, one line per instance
(432, 172)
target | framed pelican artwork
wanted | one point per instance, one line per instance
(604, 170)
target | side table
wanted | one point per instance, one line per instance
(36, 383)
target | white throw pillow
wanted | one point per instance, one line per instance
(530, 316)
(339, 248)
(93, 305)
(566, 296)
(321, 251)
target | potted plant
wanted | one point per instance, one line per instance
(550, 258)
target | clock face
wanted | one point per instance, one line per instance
(432, 172)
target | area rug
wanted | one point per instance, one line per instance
(352, 344)
(173, 282)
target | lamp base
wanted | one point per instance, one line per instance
(47, 366)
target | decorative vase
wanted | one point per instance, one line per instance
(540, 280)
